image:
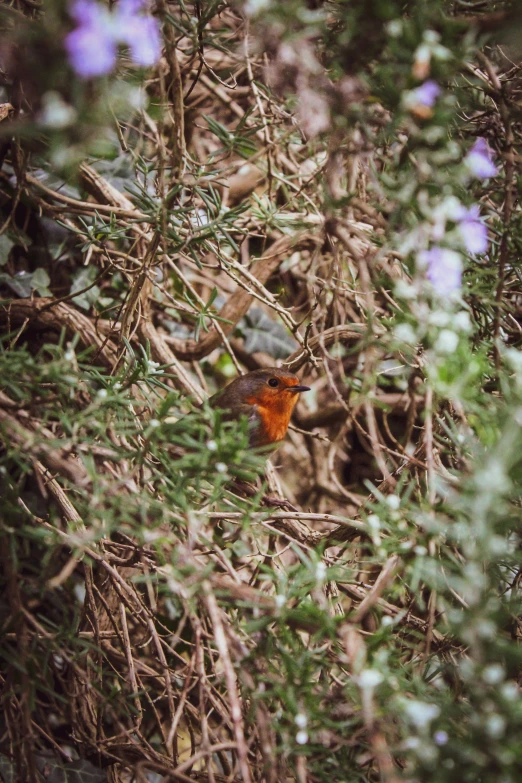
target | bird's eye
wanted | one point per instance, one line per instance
(273, 382)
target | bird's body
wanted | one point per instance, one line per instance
(266, 397)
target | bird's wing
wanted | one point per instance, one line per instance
(232, 410)
(242, 409)
(226, 400)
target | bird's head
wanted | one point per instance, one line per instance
(268, 388)
(271, 394)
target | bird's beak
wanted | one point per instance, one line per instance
(297, 389)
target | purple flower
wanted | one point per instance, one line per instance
(130, 7)
(473, 230)
(444, 269)
(145, 48)
(479, 160)
(140, 33)
(440, 737)
(427, 93)
(93, 45)
(86, 12)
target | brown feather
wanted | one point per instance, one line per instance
(268, 408)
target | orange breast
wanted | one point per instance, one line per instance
(274, 414)
(272, 428)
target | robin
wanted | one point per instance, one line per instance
(266, 397)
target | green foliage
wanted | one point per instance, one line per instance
(160, 611)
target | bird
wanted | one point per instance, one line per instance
(266, 397)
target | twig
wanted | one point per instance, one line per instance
(381, 583)
(231, 679)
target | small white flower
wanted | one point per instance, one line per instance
(495, 726)
(117, 386)
(221, 467)
(405, 334)
(253, 7)
(422, 57)
(280, 600)
(447, 342)
(514, 358)
(441, 52)
(212, 445)
(374, 523)
(56, 113)
(405, 290)
(498, 546)
(420, 713)
(301, 721)
(102, 394)
(446, 210)
(462, 322)
(369, 679)
(494, 475)
(431, 36)
(320, 571)
(69, 355)
(411, 743)
(420, 550)
(394, 28)
(152, 367)
(154, 423)
(386, 621)
(301, 737)
(80, 592)
(59, 661)
(439, 318)
(393, 502)
(493, 674)
(510, 690)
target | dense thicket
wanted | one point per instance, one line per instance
(193, 190)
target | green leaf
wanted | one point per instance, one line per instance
(263, 334)
(40, 282)
(5, 248)
(24, 283)
(119, 171)
(80, 771)
(20, 283)
(54, 770)
(84, 277)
